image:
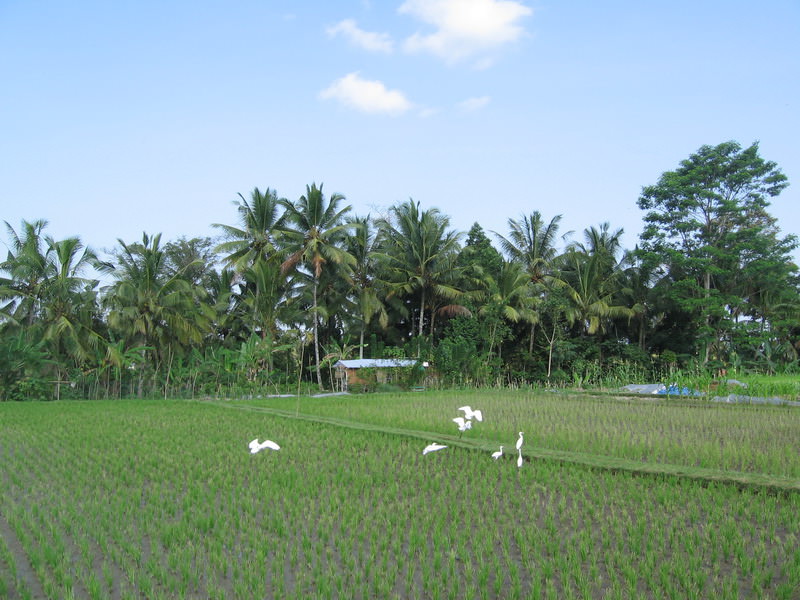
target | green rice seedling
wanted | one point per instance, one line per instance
(366, 504)
(94, 587)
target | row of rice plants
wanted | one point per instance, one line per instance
(696, 433)
(164, 500)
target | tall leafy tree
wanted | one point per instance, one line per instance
(420, 250)
(69, 303)
(49, 294)
(151, 308)
(252, 250)
(478, 252)
(703, 221)
(532, 242)
(229, 313)
(263, 295)
(26, 269)
(591, 282)
(261, 220)
(314, 237)
(506, 296)
(638, 280)
(367, 290)
(193, 259)
(602, 241)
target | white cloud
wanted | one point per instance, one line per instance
(367, 96)
(374, 42)
(427, 112)
(464, 28)
(473, 104)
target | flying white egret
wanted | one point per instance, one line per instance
(519, 441)
(432, 448)
(471, 414)
(498, 454)
(462, 423)
(519, 459)
(256, 446)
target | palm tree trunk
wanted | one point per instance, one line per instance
(316, 337)
(552, 342)
(641, 334)
(421, 321)
(530, 342)
(421, 310)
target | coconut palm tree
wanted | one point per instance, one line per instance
(313, 241)
(505, 295)
(49, 295)
(69, 300)
(253, 253)
(366, 287)
(419, 251)
(592, 290)
(264, 287)
(602, 242)
(26, 266)
(149, 307)
(260, 223)
(531, 242)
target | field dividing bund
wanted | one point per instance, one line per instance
(758, 480)
(162, 499)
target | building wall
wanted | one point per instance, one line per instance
(351, 376)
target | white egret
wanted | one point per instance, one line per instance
(519, 441)
(256, 446)
(462, 423)
(471, 414)
(498, 454)
(519, 459)
(432, 448)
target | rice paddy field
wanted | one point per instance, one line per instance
(616, 498)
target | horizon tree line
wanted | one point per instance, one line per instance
(293, 286)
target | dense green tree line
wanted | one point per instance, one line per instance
(289, 287)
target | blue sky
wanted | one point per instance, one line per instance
(123, 117)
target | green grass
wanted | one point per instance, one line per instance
(135, 499)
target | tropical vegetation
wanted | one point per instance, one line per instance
(289, 287)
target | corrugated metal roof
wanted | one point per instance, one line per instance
(372, 363)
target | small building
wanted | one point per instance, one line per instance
(381, 370)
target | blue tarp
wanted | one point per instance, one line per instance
(674, 390)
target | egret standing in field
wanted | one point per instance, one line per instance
(519, 441)
(432, 448)
(256, 446)
(498, 454)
